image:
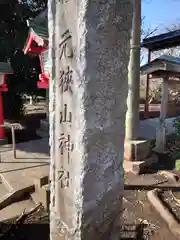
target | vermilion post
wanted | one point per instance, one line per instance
(2, 132)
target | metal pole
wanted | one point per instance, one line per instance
(132, 115)
(161, 130)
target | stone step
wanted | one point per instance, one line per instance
(15, 209)
(140, 167)
(14, 196)
(42, 195)
(10, 195)
(18, 189)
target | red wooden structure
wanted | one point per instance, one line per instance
(37, 44)
(5, 69)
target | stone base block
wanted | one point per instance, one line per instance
(139, 167)
(44, 125)
(136, 150)
(160, 151)
(41, 181)
(42, 195)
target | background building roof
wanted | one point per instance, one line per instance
(162, 41)
(5, 68)
(40, 30)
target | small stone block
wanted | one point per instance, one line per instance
(42, 195)
(159, 151)
(39, 182)
(136, 150)
(138, 167)
(47, 189)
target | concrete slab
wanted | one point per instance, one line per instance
(16, 209)
(3, 190)
(32, 162)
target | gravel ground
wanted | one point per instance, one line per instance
(34, 227)
(172, 201)
(140, 216)
(140, 221)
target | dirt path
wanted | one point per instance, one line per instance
(141, 215)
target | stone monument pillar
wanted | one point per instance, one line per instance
(161, 131)
(90, 43)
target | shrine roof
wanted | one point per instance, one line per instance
(39, 25)
(162, 41)
(39, 29)
(38, 33)
(42, 19)
(5, 68)
(164, 64)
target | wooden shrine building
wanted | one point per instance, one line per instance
(37, 45)
(165, 67)
(156, 43)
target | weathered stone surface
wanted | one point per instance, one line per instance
(161, 131)
(91, 45)
(136, 150)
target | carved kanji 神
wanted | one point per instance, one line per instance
(65, 144)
